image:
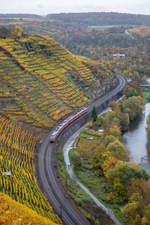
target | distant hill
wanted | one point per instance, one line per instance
(82, 33)
(142, 31)
(20, 15)
(90, 19)
(101, 18)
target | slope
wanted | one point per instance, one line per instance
(17, 179)
(41, 82)
(12, 212)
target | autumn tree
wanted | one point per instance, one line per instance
(130, 92)
(124, 121)
(134, 88)
(17, 32)
(115, 131)
(120, 176)
(118, 150)
(132, 210)
(133, 106)
(125, 172)
(109, 139)
(146, 216)
(109, 164)
(140, 186)
(123, 117)
(98, 159)
(110, 119)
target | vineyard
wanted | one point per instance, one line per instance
(41, 82)
(11, 210)
(17, 168)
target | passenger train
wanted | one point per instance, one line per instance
(55, 133)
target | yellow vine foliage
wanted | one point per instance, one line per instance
(14, 213)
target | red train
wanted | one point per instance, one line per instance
(65, 123)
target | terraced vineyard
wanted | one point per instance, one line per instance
(10, 210)
(40, 80)
(17, 147)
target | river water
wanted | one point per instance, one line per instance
(136, 141)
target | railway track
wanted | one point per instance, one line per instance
(46, 164)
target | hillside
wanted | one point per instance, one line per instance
(101, 18)
(17, 178)
(12, 212)
(42, 82)
(142, 31)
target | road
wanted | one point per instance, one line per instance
(46, 164)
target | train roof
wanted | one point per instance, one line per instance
(64, 122)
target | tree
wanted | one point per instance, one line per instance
(17, 32)
(110, 119)
(109, 139)
(118, 150)
(130, 92)
(124, 121)
(133, 106)
(109, 164)
(125, 172)
(98, 159)
(134, 85)
(146, 217)
(139, 186)
(132, 210)
(94, 114)
(123, 117)
(76, 159)
(115, 131)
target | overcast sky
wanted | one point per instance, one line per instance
(44, 7)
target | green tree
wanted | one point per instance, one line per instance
(118, 150)
(133, 106)
(76, 159)
(125, 171)
(130, 92)
(110, 119)
(109, 139)
(132, 210)
(94, 114)
(146, 217)
(114, 131)
(124, 121)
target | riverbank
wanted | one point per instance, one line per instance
(136, 140)
(116, 190)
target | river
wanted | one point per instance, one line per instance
(136, 141)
